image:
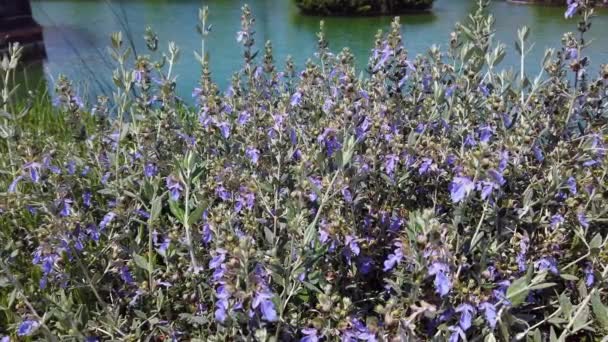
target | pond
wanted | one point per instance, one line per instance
(77, 34)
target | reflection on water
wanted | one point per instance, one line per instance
(77, 33)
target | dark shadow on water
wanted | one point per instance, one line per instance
(311, 22)
(31, 79)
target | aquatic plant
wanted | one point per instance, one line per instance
(437, 198)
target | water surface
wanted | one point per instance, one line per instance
(77, 33)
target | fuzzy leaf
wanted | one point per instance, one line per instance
(600, 311)
(565, 305)
(176, 210)
(141, 262)
(518, 291)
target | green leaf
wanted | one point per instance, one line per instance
(309, 234)
(537, 337)
(196, 214)
(156, 208)
(581, 320)
(542, 286)
(176, 210)
(518, 291)
(595, 244)
(141, 262)
(552, 335)
(600, 311)
(11, 297)
(569, 277)
(269, 235)
(565, 305)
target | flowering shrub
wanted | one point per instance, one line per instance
(438, 198)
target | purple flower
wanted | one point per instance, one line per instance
(196, 92)
(424, 167)
(383, 55)
(466, 315)
(485, 133)
(105, 177)
(420, 128)
(245, 199)
(296, 99)
(366, 265)
(66, 207)
(449, 91)
(556, 220)
(327, 106)
(547, 264)
(175, 187)
(426, 83)
(457, 334)
(460, 188)
(572, 9)
(582, 219)
(107, 219)
(538, 153)
(590, 163)
(393, 259)
(243, 118)
(150, 170)
(224, 129)
(442, 282)
(221, 306)
(207, 235)
(217, 260)
(489, 312)
(253, 154)
(34, 169)
(161, 243)
(13, 186)
(263, 300)
(71, 167)
(571, 182)
(571, 53)
(316, 184)
(323, 236)
(222, 193)
(126, 276)
(469, 141)
(86, 198)
(293, 136)
(589, 275)
(496, 177)
(483, 88)
(310, 335)
(348, 197)
(27, 327)
(390, 162)
(352, 247)
(330, 141)
(504, 161)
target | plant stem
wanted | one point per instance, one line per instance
(193, 261)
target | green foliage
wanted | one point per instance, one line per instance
(436, 197)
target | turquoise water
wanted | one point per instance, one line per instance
(77, 33)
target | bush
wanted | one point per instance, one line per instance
(438, 198)
(362, 7)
